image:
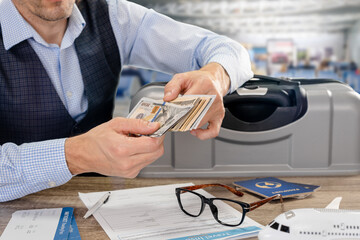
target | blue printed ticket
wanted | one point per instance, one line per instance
(42, 224)
(270, 186)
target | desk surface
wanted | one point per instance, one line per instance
(67, 196)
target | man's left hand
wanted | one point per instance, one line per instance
(211, 79)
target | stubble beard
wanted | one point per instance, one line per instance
(56, 12)
(52, 15)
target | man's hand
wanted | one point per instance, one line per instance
(111, 149)
(212, 79)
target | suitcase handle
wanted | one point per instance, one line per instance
(273, 103)
(266, 79)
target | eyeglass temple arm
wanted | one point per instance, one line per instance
(195, 187)
(257, 204)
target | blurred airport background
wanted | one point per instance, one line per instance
(285, 38)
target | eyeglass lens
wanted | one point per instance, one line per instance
(192, 205)
(224, 215)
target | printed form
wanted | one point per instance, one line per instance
(42, 224)
(153, 213)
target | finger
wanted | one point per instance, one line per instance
(212, 131)
(162, 138)
(137, 145)
(197, 90)
(215, 113)
(126, 165)
(133, 126)
(140, 161)
(200, 87)
(174, 87)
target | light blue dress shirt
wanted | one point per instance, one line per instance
(145, 38)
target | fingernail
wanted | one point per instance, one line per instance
(168, 93)
(193, 133)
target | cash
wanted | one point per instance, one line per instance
(180, 115)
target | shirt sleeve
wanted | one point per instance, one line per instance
(148, 39)
(30, 168)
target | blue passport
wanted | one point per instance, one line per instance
(67, 228)
(270, 186)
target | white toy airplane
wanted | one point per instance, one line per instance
(330, 223)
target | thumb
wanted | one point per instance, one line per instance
(173, 88)
(134, 126)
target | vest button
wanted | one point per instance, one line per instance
(75, 130)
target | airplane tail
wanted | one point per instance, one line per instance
(335, 204)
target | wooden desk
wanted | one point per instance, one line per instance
(67, 196)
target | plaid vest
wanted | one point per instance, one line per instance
(30, 108)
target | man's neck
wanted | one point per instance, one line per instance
(51, 31)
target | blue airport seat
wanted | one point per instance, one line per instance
(124, 87)
(147, 75)
(131, 79)
(132, 72)
(304, 73)
(162, 77)
(329, 75)
(353, 80)
(357, 83)
(347, 74)
(288, 74)
(342, 66)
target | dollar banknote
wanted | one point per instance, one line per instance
(182, 114)
(166, 113)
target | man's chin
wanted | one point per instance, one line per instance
(55, 15)
(55, 10)
(54, 18)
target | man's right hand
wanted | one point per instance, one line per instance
(111, 148)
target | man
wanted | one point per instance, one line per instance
(59, 65)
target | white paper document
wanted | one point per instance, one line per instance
(42, 224)
(154, 213)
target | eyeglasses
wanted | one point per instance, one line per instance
(193, 204)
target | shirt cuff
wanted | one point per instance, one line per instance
(44, 164)
(238, 74)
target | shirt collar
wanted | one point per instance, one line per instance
(75, 26)
(11, 19)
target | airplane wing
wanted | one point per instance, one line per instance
(335, 204)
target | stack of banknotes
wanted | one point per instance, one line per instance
(180, 115)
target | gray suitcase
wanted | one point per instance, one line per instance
(272, 127)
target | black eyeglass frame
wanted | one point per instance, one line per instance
(209, 201)
(246, 207)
